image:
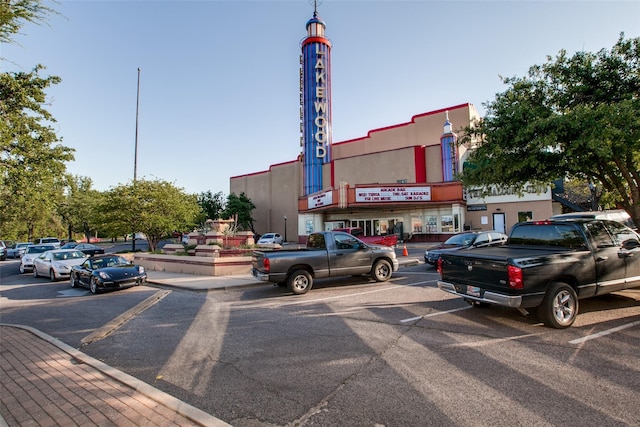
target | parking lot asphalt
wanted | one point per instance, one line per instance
(47, 382)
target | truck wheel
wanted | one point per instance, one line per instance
(381, 270)
(299, 282)
(559, 307)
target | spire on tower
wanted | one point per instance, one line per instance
(447, 124)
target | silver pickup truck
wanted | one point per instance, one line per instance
(328, 254)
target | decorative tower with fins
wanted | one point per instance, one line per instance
(315, 103)
(449, 144)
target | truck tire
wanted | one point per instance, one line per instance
(381, 270)
(559, 307)
(299, 282)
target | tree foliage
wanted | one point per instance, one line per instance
(572, 117)
(32, 162)
(240, 207)
(212, 206)
(15, 13)
(80, 208)
(155, 208)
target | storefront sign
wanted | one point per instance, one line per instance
(393, 194)
(319, 200)
(492, 194)
(471, 208)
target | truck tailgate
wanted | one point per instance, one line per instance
(485, 268)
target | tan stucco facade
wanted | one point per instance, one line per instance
(390, 180)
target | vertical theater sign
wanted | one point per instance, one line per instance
(315, 104)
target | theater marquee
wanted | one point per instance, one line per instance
(392, 194)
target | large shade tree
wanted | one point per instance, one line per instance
(212, 206)
(240, 207)
(572, 117)
(80, 207)
(32, 160)
(153, 207)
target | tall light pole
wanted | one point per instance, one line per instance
(285, 228)
(135, 157)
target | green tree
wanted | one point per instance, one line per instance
(32, 163)
(80, 208)
(212, 206)
(242, 207)
(572, 117)
(14, 14)
(155, 208)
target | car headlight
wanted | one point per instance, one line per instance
(103, 275)
(140, 269)
(61, 267)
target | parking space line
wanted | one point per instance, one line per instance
(412, 319)
(603, 333)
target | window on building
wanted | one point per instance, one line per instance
(431, 224)
(525, 216)
(446, 224)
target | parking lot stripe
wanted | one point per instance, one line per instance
(603, 333)
(438, 313)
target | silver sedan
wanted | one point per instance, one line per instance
(56, 264)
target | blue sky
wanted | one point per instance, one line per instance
(219, 82)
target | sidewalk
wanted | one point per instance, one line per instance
(44, 382)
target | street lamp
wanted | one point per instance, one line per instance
(285, 228)
(135, 156)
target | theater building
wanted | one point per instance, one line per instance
(398, 179)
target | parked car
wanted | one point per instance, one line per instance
(465, 240)
(69, 245)
(57, 263)
(32, 252)
(49, 241)
(328, 254)
(89, 248)
(619, 215)
(270, 238)
(3, 251)
(107, 272)
(17, 249)
(546, 266)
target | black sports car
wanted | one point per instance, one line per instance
(107, 272)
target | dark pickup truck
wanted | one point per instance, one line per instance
(546, 265)
(328, 254)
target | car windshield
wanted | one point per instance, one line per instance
(109, 262)
(62, 256)
(268, 236)
(461, 239)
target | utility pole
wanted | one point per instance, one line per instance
(135, 158)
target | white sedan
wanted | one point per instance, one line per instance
(270, 238)
(32, 252)
(57, 263)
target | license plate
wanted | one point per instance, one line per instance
(474, 291)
